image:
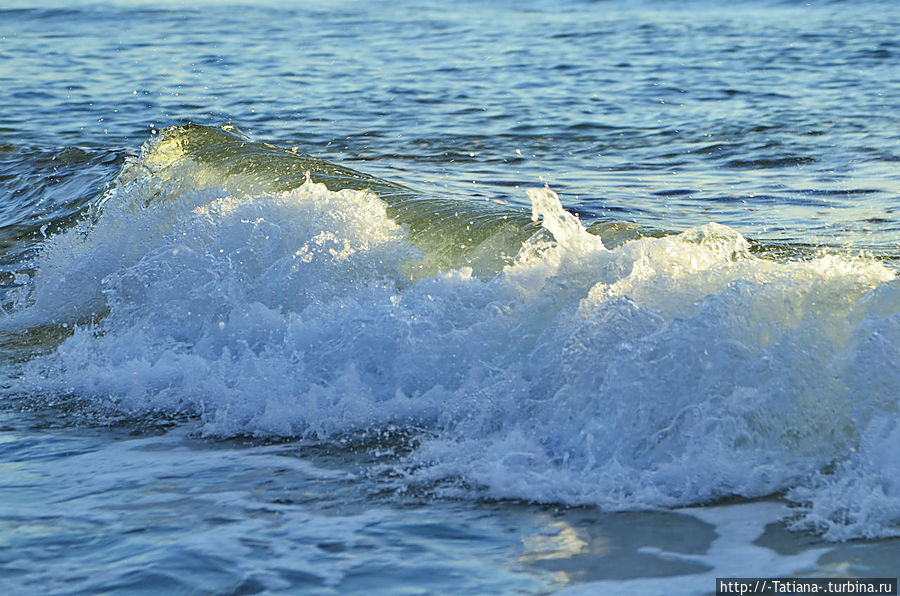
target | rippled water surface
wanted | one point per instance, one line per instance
(403, 365)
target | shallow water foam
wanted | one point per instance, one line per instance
(666, 372)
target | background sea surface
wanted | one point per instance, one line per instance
(483, 297)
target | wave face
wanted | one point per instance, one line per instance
(455, 233)
(268, 293)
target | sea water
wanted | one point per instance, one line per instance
(591, 297)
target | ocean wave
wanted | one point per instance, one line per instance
(267, 293)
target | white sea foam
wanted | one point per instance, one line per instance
(734, 553)
(667, 372)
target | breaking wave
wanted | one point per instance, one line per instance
(265, 292)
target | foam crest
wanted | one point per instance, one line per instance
(666, 372)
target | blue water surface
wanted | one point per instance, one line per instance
(777, 119)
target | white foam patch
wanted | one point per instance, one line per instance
(861, 499)
(732, 554)
(668, 372)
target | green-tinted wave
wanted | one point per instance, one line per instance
(451, 232)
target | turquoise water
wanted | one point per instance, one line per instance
(498, 298)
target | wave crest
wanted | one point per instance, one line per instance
(662, 372)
